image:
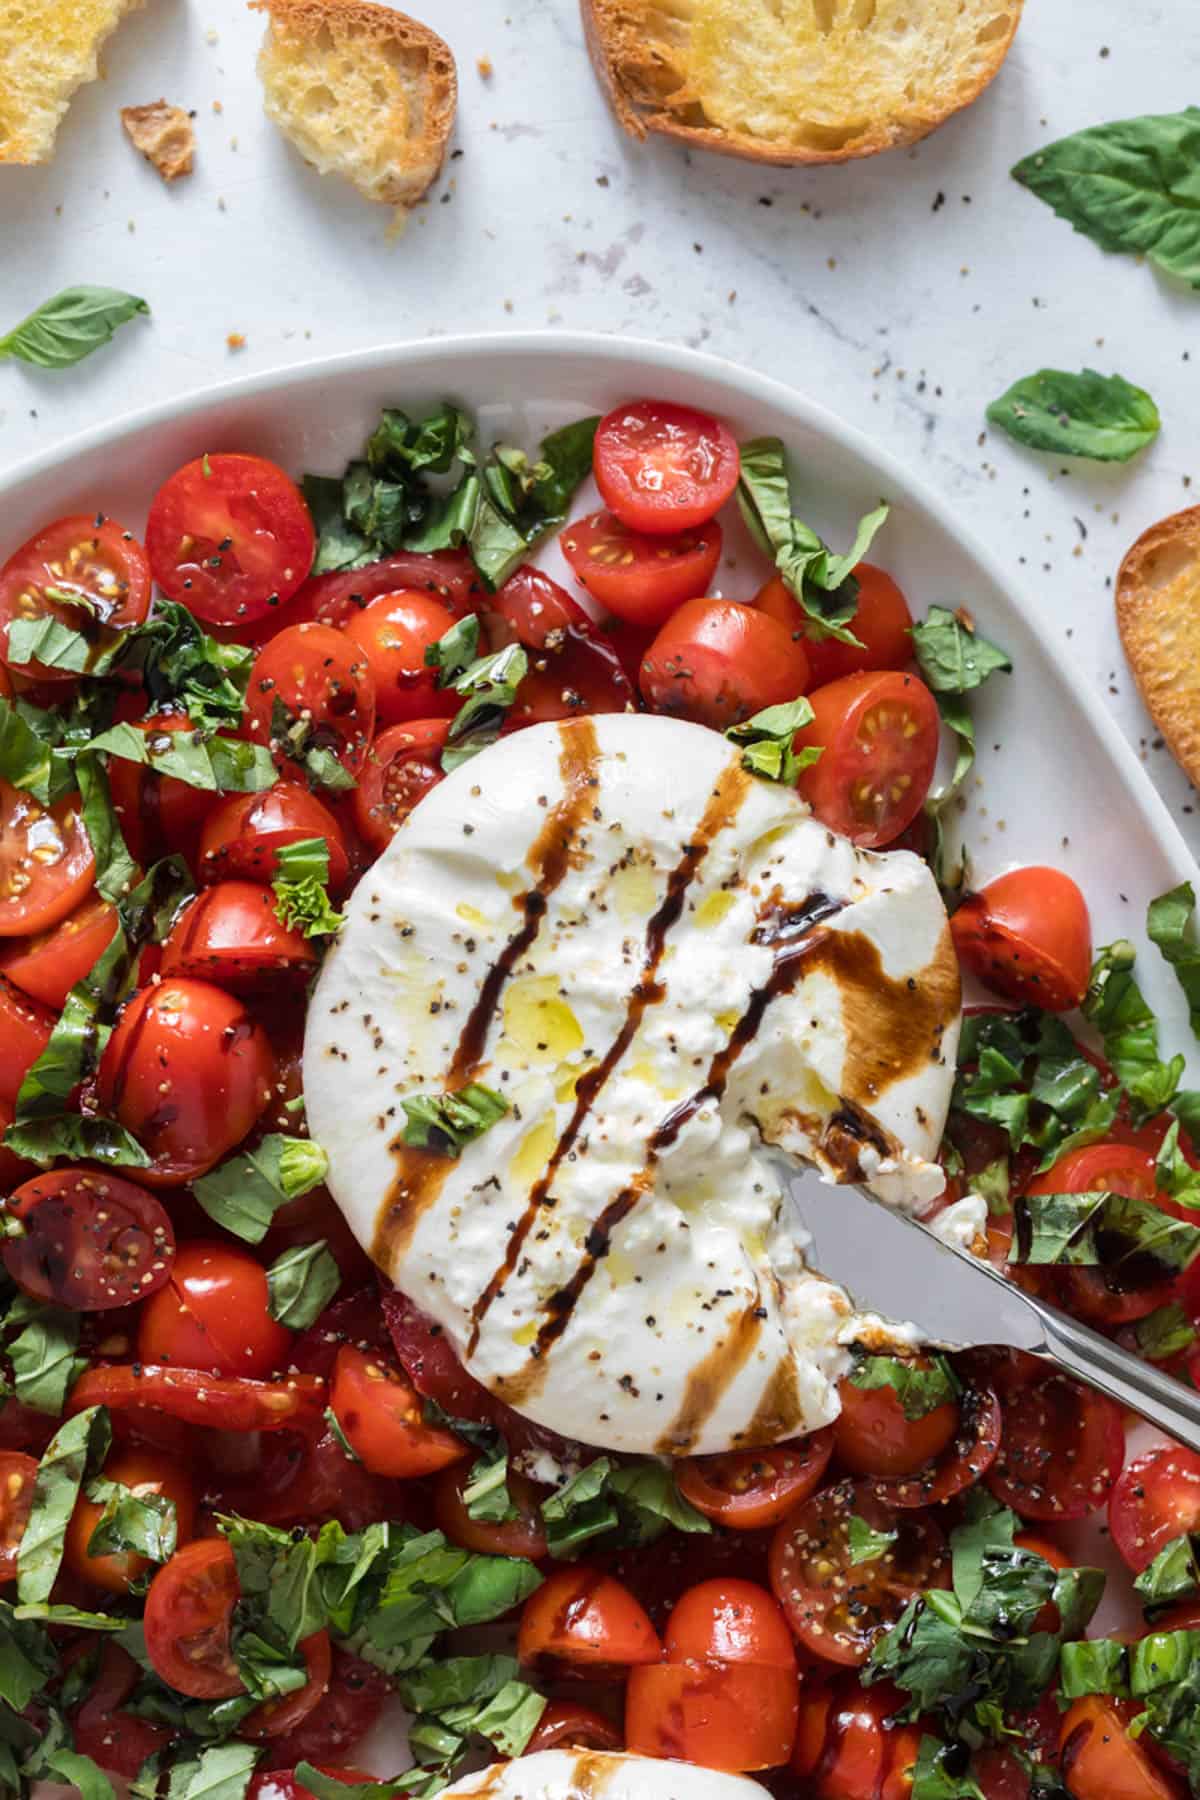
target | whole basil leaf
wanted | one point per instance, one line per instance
(76, 1448)
(301, 1283)
(70, 325)
(243, 1194)
(1103, 417)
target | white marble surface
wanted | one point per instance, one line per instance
(905, 293)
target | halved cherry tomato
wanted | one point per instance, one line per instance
(523, 1536)
(158, 813)
(837, 1608)
(119, 1741)
(90, 1241)
(401, 767)
(733, 1716)
(882, 623)
(1061, 1450)
(189, 1612)
(25, 1028)
(878, 736)
(729, 1621)
(1156, 1498)
(187, 1071)
(87, 556)
(846, 1747)
(872, 1435)
(446, 575)
(18, 1473)
(575, 668)
(232, 934)
(225, 1402)
(1127, 1287)
(748, 1489)
(230, 536)
(213, 1314)
(639, 578)
(664, 468)
(1028, 935)
(717, 662)
(275, 1717)
(969, 1454)
(46, 861)
(577, 1727)
(347, 1711)
(322, 679)
(143, 1472)
(297, 1478)
(427, 1357)
(587, 1621)
(1100, 1760)
(382, 1418)
(244, 833)
(393, 632)
(46, 967)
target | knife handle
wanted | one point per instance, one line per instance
(1170, 1404)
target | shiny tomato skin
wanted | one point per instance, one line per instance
(878, 734)
(402, 765)
(91, 1241)
(213, 1315)
(229, 1403)
(347, 1711)
(587, 1621)
(882, 622)
(427, 1357)
(1099, 1760)
(18, 1474)
(46, 861)
(189, 1611)
(960, 1463)
(298, 1479)
(144, 1472)
(217, 1062)
(564, 1725)
(47, 966)
(641, 579)
(446, 575)
(845, 1746)
(319, 673)
(232, 935)
(573, 666)
(729, 1716)
(872, 1436)
(383, 1421)
(158, 814)
(1108, 1297)
(522, 1536)
(1156, 1498)
(82, 554)
(230, 537)
(119, 1741)
(1028, 936)
(25, 1028)
(274, 1718)
(244, 833)
(717, 662)
(729, 1621)
(393, 633)
(1062, 1448)
(746, 1490)
(663, 468)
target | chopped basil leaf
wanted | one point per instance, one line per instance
(1165, 1333)
(1174, 1574)
(1115, 1005)
(446, 1123)
(1093, 1666)
(625, 1503)
(180, 665)
(1168, 926)
(867, 1544)
(223, 1772)
(1099, 1229)
(27, 1659)
(455, 650)
(80, 1772)
(28, 738)
(301, 889)
(43, 1356)
(919, 1390)
(301, 1283)
(218, 765)
(44, 1613)
(70, 325)
(143, 1523)
(77, 1448)
(243, 1194)
(941, 1772)
(768, 741)
(339, 546)
(1129, 186)
(490, 686)
(952, 656)
(332, 1787)
(1164, 1671)
(649, 1502)
(486, 1494)
(1173, 1173)
(344, 1445)
(1103, 417)
(50, 641)
(115, 867)
(520, 502)
(302, 741)
(383, 502)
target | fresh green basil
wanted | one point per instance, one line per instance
(218, 765)
(1173, 1576)
(1093, 1666)
(77, 1448)
(243, 1194)
(1116, 1006)
(486, 1494)
(303, 742)
(80, 1772)
(522, 501)
(446, 1123)
(50, 641)
(145, 1523)
(942, 1772)
(1130, 186)
(1102, 417)
(43, 1354)
(490, 686)
(1169, 922)
(223, 1772)
(116, 870)
(919, 1390)
(301, 1283)
(28, 737)
(952, 656)
(621, 1503)
(455, 650)
(1165, 1333)
(1082, 1231)
(867, 1544)
(1164, 1673)
(69, 326)
(301, 889)
(180, 665)
(767, 740)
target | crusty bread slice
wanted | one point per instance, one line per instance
(1158, 616)
(361, 91)
(796, 81)
(48, 48)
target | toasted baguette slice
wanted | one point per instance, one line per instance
(361, 91)
(796, 81)
(48, 48)
(1158, 616)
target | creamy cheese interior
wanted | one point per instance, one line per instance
(600, 1775)
(666, 966)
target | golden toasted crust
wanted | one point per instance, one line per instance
(362, 91)
(1158, 616)
(818, 81)
(48, 48)
(164, 136)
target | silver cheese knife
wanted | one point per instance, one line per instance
(893, 1265)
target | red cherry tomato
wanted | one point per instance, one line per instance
(187, 1071)
(119, 1741)
(274, 1718)
(836, 1607)
(230, 536)
(25, 1028)
(344, 1715)
(322, 676)
(566, 1725)
(296, 1480)
(959, 1464)
(1156, 1498)
(401, 767)
(575, 668)
(588, 1621)
(872, 1436)
(85, 555)
(143, 1472)
(1028, 935)
(427, 1358)
(46, 861)
(846, 1747)
(91, 1241)
(729, 1621)
(1061, 1451)
(158, 814)
(213, 1315)
(664, 468)
(731, 1716)
(244, 833)
(18, 1473)
(46, 967)
(1099, 1760)
(1116, 1294)
(523, 1536)
(717, 662)
(227, 1403)
(882, 623)
(878, 735)
(382, 1418)
(189, 1611)
(232, 934)
(641, 579)
(447, 575)
(393, 632)
(748, 1489)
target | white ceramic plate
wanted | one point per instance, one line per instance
(1055, 781)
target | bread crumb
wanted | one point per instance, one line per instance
(484, 65)
(217, 107)
(164, 135)
(236, 340)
